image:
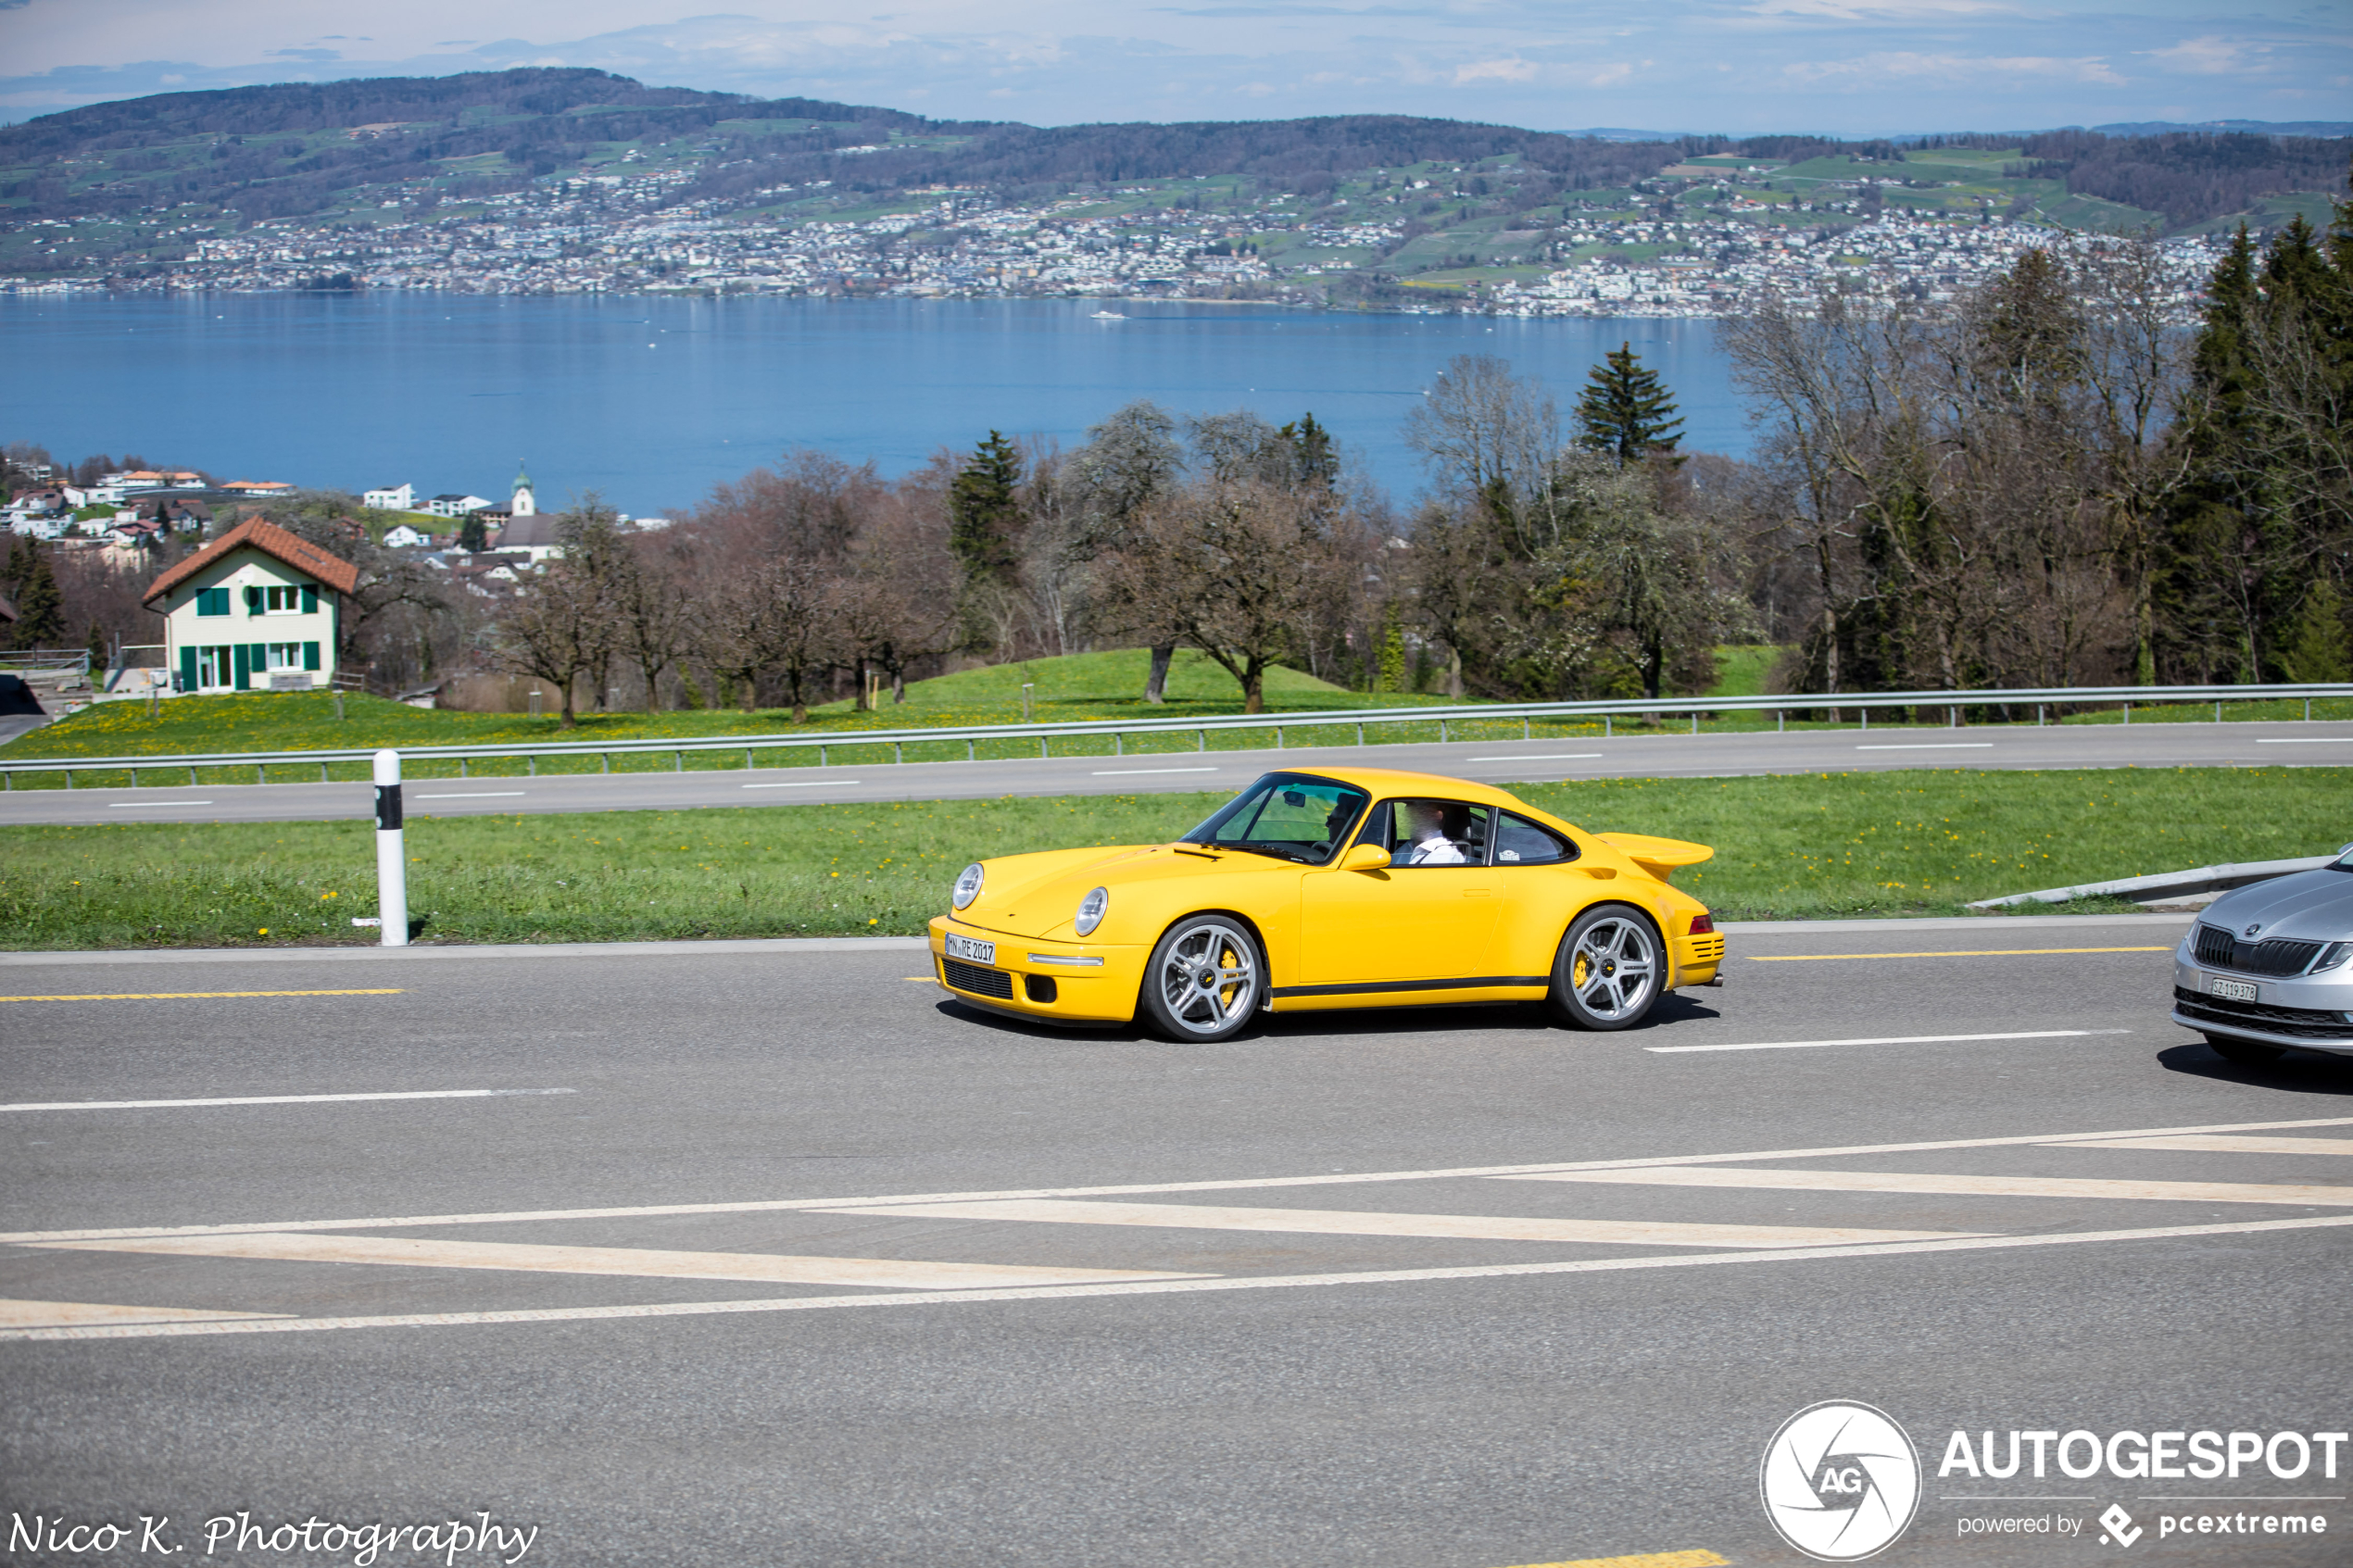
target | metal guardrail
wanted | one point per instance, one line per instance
(1861, 703)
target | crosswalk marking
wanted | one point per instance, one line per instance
(87, 1314)
(632, 1261)
(1176, 1286)
(1336, 1221)
(1962, 1186)
(2214, 1143)
(1232, 1183)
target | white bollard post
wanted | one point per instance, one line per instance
(392, 857)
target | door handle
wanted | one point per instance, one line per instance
(1478, 892)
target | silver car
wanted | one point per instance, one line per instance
(2264, 969)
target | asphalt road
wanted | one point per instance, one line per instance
(763, 1254)
(1653, 756)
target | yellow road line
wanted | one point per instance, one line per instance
(1967, 953)
(190, 995)
(1698, 1557)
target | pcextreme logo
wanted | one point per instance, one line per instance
(1839, 1481)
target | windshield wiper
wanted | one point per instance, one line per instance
(1276, 850)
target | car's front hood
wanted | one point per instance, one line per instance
(1037, 895)
(2309, 906)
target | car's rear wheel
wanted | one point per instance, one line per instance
(1610, 969)
(2247, 1053)
(1205, 979)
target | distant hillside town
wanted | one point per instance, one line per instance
(561, 182)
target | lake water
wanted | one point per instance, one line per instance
(650, 401)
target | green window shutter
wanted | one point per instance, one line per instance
(187, 670)
(241, 659)
(310, 656)
(310, 602)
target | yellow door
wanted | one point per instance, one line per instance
(1406, 921)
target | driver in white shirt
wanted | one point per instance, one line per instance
(1422, 824)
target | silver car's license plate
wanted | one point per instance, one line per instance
(2237, 990)
(971, 950)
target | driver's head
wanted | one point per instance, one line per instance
(1420, 819)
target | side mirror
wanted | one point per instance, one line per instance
(1364, 858)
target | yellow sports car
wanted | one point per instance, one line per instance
(1341, 887)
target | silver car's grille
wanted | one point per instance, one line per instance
(2303, 1023)
(2218, 949)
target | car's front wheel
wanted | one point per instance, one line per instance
(1609, 970)
(2247, 1053)
(1204, 980)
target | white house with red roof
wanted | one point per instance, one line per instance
(259, 608)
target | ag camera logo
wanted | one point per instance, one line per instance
(1840, 1481)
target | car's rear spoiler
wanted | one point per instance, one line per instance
(1659, 856)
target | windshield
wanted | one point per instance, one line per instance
(1292, 815)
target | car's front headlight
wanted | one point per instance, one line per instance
(1090, 911)
(2332, 955)
(967, 884)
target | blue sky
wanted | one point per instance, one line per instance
(1841, 66)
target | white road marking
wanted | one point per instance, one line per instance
(1542, 757)
(473, 795)
(1932, 745)
(801, 784)
(1891, 1040)
(151, 805)
(2077, 1187)
(1244, 1183)
(63, 1315)
(1335, 1221)
(1178, 1286)
(1123, 772)
(2194, 1144)
(2304, 740)
(629, 1261)
(269, 1100)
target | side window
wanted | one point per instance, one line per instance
(1437, 833)
(1519, 842)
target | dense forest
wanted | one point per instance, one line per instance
(266, 152)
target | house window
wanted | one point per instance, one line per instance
(280, 599)
(212, 666)
(282, 656)
(212, 601)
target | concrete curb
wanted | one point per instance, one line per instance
(2160, 887)
(783, 944)
(778, 945)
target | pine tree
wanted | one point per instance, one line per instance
(40, 612)
(1625, 412)
(1313, 459)
(984, 512)
(474, 533)
(1389, 675)
(2320, 649)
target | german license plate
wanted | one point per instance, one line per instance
(975, 951)
(2237, 990)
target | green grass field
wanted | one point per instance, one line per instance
(1806, 846)
(1097, 687)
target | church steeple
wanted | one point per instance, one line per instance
(525, 503)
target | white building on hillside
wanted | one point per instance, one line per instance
(391, 499)
(257, 608)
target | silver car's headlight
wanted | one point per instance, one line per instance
(967, 886)
(1090, 911)
(2334, 954)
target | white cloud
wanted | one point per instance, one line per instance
(1988, 72)
(2209, 55)
(1514, 69)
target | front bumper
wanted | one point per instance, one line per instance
(2312, 1013)
(1040, 978)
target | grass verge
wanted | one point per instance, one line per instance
(1807, 846)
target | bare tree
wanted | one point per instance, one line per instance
(1236, 570)
(654, 609)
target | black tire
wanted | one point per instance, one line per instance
(2247, 1053)
(1610, 970)
(1205, 979)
